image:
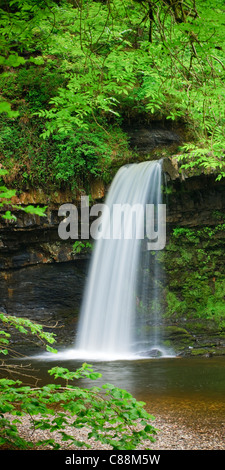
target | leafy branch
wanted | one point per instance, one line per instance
(111, 415)
(7, 194)
(24, 326)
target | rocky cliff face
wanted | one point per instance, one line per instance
(32, 239)
(191, 201)
(194, 201)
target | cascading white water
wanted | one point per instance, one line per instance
(121, 313)
(111, 298)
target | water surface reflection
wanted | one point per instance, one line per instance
(187, 388)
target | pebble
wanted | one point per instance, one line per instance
(177, 436)
(172, 434)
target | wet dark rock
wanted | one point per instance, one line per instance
(154, 353)
(50, 294)
(144, 140)
(195, 202)
(191, 201)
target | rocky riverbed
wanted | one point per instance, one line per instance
(174, 433)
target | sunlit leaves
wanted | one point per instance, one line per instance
(111, 415)
(6, 193)
(25, 326)
(5, 107)
(37, 210)
(6, 196)
(110, 70)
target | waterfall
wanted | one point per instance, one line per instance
(120, 309)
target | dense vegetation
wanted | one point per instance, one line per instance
(110, 415)
(198, 291)
(75, 72)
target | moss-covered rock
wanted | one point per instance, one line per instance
(195, 289)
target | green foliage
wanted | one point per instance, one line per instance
(6, 108)
(5, 198)
(24, 326)
(112, 415)
(195, 274)
(81, 155)
(75, 71)
(183, 232)
(82, 246)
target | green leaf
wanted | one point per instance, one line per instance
(6, 108)
(50, 349)
(4, 351)
(8, 216)
(3, 172)
(7, 193)
(35, 210)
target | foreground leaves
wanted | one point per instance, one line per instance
(24, 326)
(111, 415)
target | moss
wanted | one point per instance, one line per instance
(176, 331)
(220, 351)
(178, 338)
(200, 352)
(195, 274)
(199, 327)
